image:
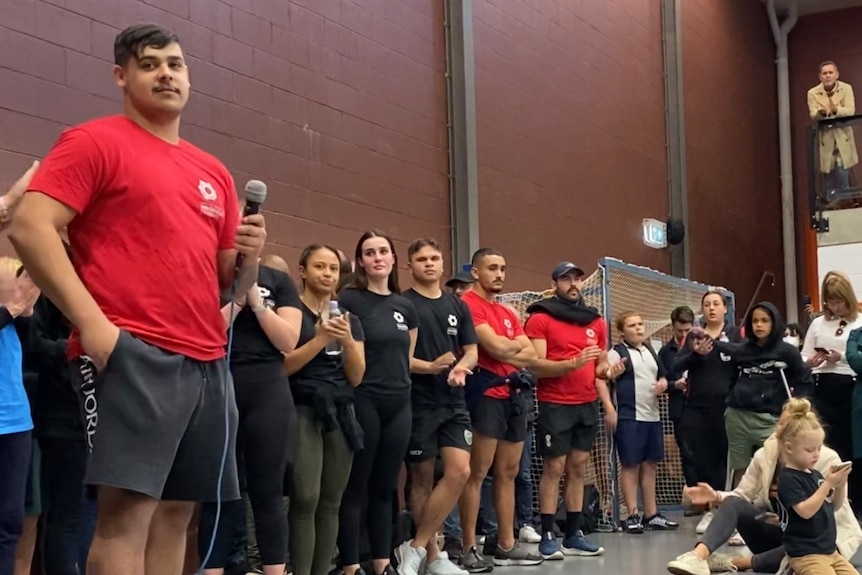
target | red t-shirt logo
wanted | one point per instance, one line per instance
(207, 191)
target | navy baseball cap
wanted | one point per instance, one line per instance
(464, 277)
(566, 267)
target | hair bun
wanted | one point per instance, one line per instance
(800, 407)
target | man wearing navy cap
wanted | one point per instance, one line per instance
(571, 340)
(461, 283)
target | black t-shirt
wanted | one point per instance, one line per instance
(445, 324)
(250, 342)
(323, 369)
(386, 321)
(816, 535)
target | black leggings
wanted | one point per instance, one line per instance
(706, 445)
(833, 400)
(763, 539)
(387, 424)
(267, 419)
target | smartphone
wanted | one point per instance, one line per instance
(822, 350)
(842, 465)
(806, 300)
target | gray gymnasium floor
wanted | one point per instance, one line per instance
(645, 554)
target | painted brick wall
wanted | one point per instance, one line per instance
(816, 38)
(732, 146)
(340, 105)
(571, 132)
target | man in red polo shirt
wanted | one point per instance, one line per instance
(571, 340)
(153, 226)
(499, 415)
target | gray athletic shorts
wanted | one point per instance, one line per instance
(155, 423)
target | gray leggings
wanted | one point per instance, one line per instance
(763, 539)
(320, 472)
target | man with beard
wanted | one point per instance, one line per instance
(497, 410)
(445, 355)
(570, 340)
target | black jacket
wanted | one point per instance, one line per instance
(759, 386)
(709, 376)
(676, 397)
(56, 411)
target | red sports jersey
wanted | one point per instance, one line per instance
(565, 341)
(152, 217)
(504, 322)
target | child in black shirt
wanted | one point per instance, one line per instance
(807, 500)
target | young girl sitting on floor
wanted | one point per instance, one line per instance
(807, 499)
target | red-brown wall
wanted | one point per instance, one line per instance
(734, 191)
(340, 105)
(815, 39)
(571, 132)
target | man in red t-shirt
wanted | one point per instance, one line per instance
(153, 226)
(571, 340)
(499, 416)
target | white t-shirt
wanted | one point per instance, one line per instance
(824, 333)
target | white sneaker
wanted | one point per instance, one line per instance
(704, 523)
(688, 564)
(719, 563)
(528, 534)
(409, 558)
(443, 566)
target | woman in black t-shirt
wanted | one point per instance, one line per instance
(322, 380)
(266, 323)
(382, 401)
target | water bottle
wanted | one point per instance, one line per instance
(333, 347)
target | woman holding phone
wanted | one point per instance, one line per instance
(824, 351)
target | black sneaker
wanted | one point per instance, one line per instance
(634, 525)
(659, 522)
(452, 546)
(490, 545)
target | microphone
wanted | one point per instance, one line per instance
(255, 195)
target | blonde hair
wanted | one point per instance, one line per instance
(797, 417)
(10, 264)
(620, 322)
(837, 286)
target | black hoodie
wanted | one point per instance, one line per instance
(759, 386)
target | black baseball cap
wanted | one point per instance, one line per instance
(461, 278)
(565, 267)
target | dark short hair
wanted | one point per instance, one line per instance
(130, 43)
(826, 63)
(682, 314)
(483, 253)
(422, 243)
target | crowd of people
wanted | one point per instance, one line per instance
(161, 370)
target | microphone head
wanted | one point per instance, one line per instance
(780, 365)
(255, 192)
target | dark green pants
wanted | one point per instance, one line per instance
(320, 472)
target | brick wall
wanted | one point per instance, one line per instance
(571, 132)
(731, 116)
(340, 105)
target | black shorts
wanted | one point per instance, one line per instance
(156, 421)
(498, 419)
(437, 427)
(561, 428)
